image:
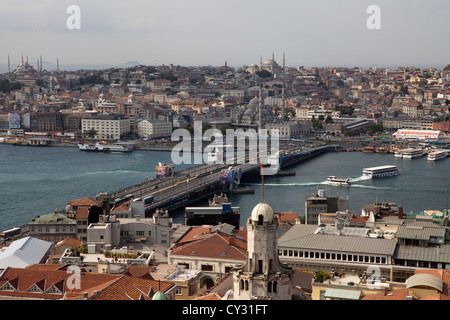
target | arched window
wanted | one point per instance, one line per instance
(269, 287)
(246, 285)
(260, 219)
(275, 286)
(241, 284)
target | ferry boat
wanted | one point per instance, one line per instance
(412, 153)
(398, 153)
(381, 171)
(333, 180)
(100, 147)
(382, 150)
(437, 155)
(368, 149)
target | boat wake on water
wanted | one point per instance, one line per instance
(361, 178)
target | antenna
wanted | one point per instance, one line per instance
(262, 180)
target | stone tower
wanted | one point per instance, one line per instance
(262, 277)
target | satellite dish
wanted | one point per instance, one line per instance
(339, 226)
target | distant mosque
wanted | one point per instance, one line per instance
(269, 65)
(26, 68)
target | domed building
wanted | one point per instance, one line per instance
(263, 276)
(272, 66)
(247, 116)
(24, 68)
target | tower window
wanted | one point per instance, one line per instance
(260, 266)
(260, 219)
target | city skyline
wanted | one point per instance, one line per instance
(320, 33)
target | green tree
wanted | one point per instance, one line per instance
(321, 276)
(374, 128)
(169, 76)
(91, 133)
(40, 83)
(264, 74)
(328, 119)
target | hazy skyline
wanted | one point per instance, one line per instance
(208, 32)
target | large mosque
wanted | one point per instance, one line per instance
(269, 65)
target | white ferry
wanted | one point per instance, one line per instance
(100, 147)
(381, 171)
(412, 153)
(398, 153)
(333, 180)
(437, 155)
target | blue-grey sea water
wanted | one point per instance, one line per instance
(38, 180)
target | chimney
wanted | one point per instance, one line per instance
(400, 212)
(138, 217)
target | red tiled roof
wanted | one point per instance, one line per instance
(45, 279)
(215, 245)
(132, 288)
(70, 242)
(82, 212)
(86, 201)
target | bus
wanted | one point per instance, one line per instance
(148, 199)
(127, 198)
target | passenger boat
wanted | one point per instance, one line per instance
(381, 171)
(437, 155)
(333, 180)
(412, 153)
(100, 147)
(382, 150)
(368, 149)
(398, 153)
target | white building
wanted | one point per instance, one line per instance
(104, 235)
(417, 134)
(107, 126)
(154, 128)
(155, 230)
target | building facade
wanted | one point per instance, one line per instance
(107, 126)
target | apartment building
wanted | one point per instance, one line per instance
(107, 126)
(154, 128)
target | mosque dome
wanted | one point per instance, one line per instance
(264, 210)
(254, 103)
(159, 296)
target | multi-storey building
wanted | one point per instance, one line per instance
(46, 122)
(53, 227)
(320, 203)
(154, 128)
(107, 126)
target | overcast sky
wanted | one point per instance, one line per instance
(208, 32)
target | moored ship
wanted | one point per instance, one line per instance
(437, 155)
(412, 153)
(100, 147)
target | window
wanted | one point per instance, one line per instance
(206, 267)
